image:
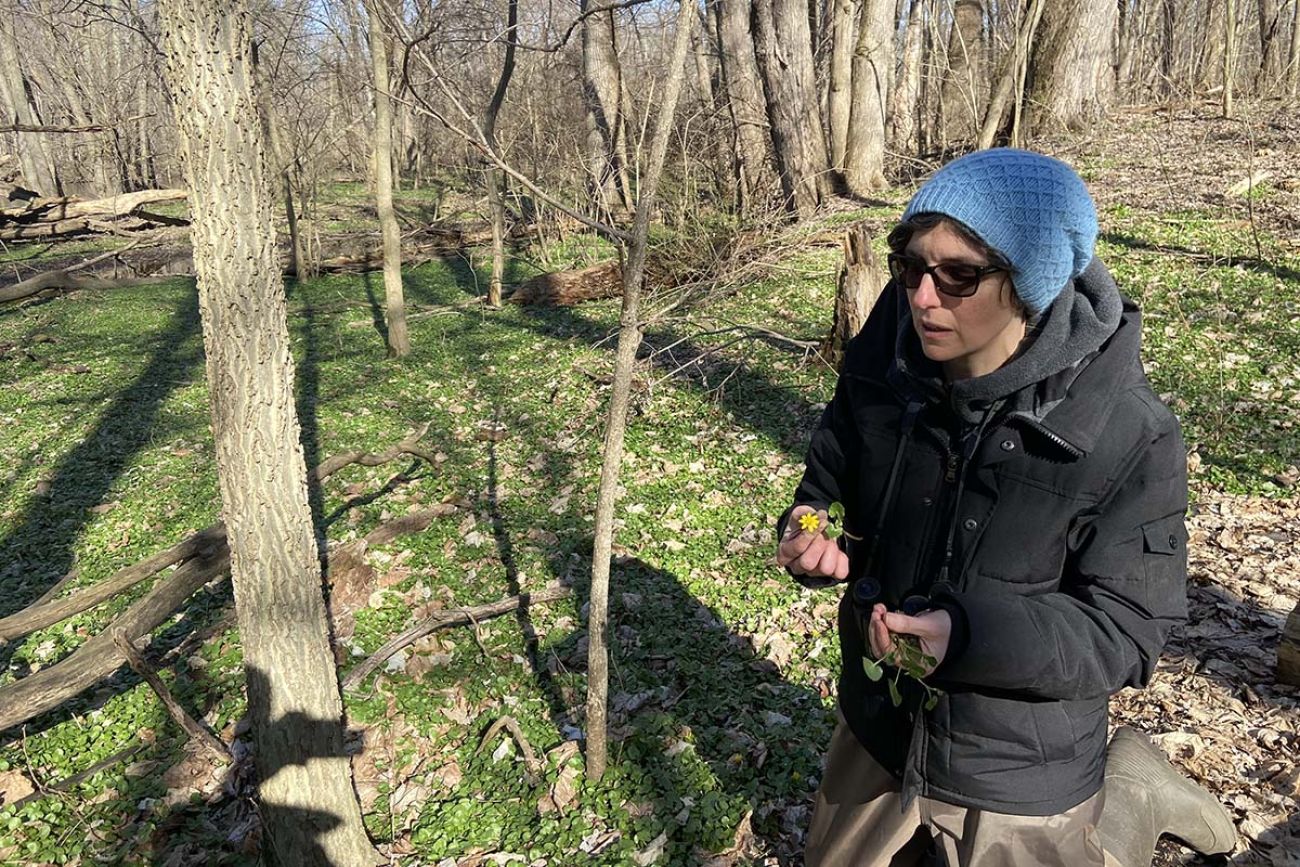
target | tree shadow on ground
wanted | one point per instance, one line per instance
(39, 550)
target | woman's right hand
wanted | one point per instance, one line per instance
(811, 554)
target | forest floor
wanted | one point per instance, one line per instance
(723, 669)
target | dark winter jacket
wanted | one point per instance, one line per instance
(1042, 506)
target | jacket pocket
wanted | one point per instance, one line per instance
(1164, 547)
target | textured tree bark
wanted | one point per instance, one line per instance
(905, 98)
(843, 29)
(33, 158)
(783, 48)
(602, 88)
(309, 811)
(1270, 48)
(1073, 80)
(496, 179)
(873, 70)
(567, 288)
(963, 82)
(754, 171)
(399, 341)
(858, 286)
(629, 338)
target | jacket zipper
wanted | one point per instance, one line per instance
(1069, 447)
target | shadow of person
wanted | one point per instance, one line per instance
(708, 739)
(291, 835)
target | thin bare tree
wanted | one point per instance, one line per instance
(399, 340)
(496, 179)
(309, 811)
(1229, 56)
(629, 340)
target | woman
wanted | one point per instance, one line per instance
(1013, 498)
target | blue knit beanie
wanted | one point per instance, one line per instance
(1031, 208)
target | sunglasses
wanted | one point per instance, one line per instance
(950, 278)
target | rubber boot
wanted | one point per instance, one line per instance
(1146, 797)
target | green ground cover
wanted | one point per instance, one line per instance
(722, 668)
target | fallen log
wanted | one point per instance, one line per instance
(67, 207)
(48, 613)
(567, 288)
(99, 657)
(444, 619)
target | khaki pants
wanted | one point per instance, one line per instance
(858, 821)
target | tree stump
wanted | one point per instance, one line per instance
(1288, 650)
(858, 286)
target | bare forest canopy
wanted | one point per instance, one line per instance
(787, 102)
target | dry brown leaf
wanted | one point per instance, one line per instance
(14, 786)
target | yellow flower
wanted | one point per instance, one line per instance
(809, 523)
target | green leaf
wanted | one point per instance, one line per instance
(929, 661)
(872, 669)
(836, 511)
(894, 694)
(932, 701)
(832, 532)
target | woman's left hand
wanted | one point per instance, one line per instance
(933, 629)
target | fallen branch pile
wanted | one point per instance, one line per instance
(60, 216)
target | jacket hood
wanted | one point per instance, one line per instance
(1059, 345)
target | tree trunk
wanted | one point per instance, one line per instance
(282, 167)
(843, 23)
(1288, 650)
(784, 51)
(873, 69)
(744, 99)
(1127, 34)
(33, 157)
(1167, 46)
(399, 341)
(602, 88)
(496, 179)
(905, 100)
(1270, 48)
(1229, 55)
(1293, 54)
(1010, 82)
(1209, 65)
(858, 286)
(962, 84)
(629, 339)
(310, 813)
(1073, 80)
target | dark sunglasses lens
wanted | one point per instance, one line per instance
(957, 280)
(906, 270)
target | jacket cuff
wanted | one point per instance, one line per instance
(958, 639)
